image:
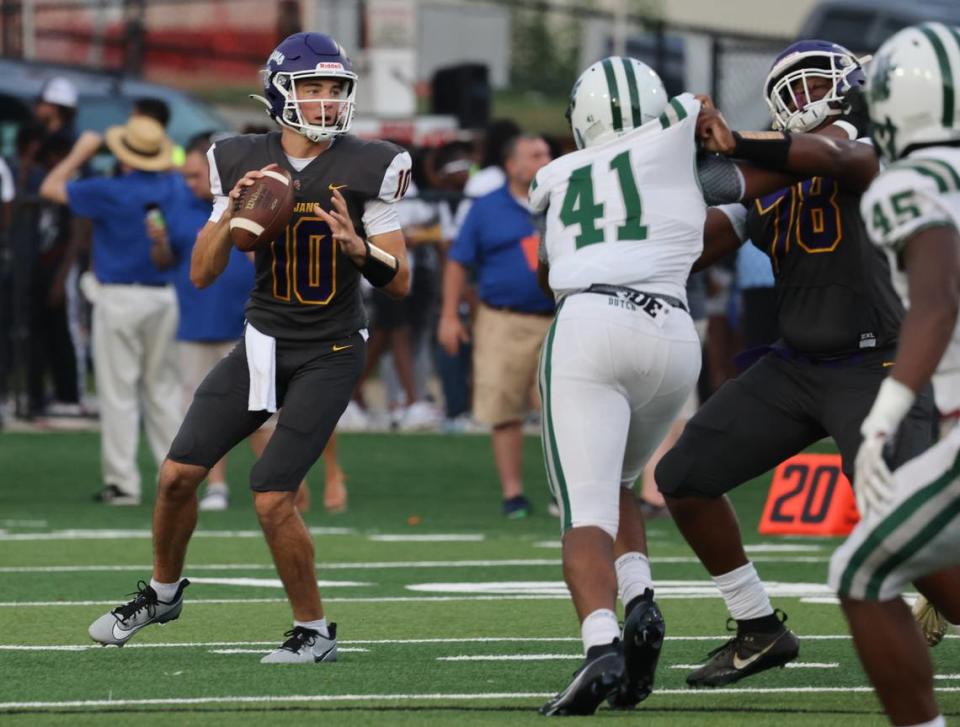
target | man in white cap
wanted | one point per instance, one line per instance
(135, 310)
(56, 108)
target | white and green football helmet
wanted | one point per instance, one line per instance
(614, 96)
(913, 89)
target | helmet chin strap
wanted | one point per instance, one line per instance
(262, 100)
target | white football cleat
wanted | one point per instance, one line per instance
(119, 625)
(305, 646)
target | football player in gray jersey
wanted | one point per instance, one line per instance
(305, 339)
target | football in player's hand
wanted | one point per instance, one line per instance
(263, 210)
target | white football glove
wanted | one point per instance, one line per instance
(872, 479)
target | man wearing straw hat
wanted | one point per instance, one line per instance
(135, 307)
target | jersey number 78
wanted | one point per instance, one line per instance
(579, 207)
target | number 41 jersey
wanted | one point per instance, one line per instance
(628, 212)
(306, 288)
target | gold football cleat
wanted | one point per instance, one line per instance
(932, 623)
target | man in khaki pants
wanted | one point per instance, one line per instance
(135, 308)
(498, 242)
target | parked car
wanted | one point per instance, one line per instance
(105, 99)
(863, 25)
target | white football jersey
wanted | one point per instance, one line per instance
(629, 212)
(918, 191)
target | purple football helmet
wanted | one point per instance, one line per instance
(309, 55)
(787, 90)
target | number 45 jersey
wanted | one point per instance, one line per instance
(919, 191)
(306, 288)
(628, 212)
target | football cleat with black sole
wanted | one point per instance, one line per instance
(119, 625)
(597, 678)
(305, 646)
(643, 632)
(745, 654)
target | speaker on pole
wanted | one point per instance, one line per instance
(463, 91)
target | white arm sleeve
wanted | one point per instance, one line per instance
(396, 180)
(220, 204)
(379, 214)
(737, 214)
(6, 183)
(220, 198)
(380, 217)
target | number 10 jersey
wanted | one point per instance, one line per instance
(628, 212)
(306, 288)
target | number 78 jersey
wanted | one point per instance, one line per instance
(629, 212)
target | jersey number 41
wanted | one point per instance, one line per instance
(580, 208)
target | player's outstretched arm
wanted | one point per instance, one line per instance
(211, 251)
(932, 259)
(776, 159)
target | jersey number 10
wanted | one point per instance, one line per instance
(304, 263)
(579, 207)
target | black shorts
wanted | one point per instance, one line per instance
(314, 385)
(774, 410)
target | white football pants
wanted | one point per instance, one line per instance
(612, 378)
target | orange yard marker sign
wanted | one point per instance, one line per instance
(809, 495)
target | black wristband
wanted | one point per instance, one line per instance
(768, 149)
(380, 266)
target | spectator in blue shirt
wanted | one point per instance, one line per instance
(498, 242)
(135, 307)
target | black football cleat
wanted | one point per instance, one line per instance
(597, 678)
(747, 653)
(643, 632)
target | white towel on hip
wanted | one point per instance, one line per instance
(262, 365)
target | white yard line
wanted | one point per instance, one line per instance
(791, 665)
(114, 534)
(340, 649)
(274, 583)
(409, 642)
(366, 565)
(510, 657)
(428, 538)
(428, 697)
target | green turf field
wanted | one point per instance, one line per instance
(471, 628)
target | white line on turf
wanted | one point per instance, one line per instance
(365, 565)
(791, 665)
(108, 534)
(509, 657)
(394, 642)
(553, 562)
(666, 589)
(428, 538)
(367, 642)
(340, 649)
(367, 698)
(946, 676)
(274, 582)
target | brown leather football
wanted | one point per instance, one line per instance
(263, 210)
